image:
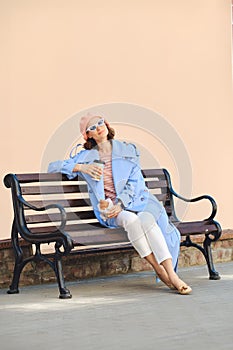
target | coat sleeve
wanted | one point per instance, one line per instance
(65, 166)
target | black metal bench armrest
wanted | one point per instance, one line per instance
(67, 241)
(50, 206)
(196, 199)
(59, 236)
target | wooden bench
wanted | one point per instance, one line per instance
(49, 208)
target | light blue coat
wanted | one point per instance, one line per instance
(129, 184)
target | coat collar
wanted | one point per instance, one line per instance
(123, 149)
(119, 150)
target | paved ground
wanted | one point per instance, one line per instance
(123, 312)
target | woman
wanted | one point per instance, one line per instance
(133, 207)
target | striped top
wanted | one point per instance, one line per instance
(109, 188)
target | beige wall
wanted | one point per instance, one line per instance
(60, 57)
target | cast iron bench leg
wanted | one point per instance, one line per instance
(19, 265)
(64, 292)
(213, 274)
(207, 253)
(19, 262)
(14, 287)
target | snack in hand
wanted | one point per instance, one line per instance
(103, 204)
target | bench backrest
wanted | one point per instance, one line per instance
(41, 189)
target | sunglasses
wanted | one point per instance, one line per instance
(94, 126)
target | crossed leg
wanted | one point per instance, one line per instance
(147, 238)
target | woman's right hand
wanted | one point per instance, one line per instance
(91, 169)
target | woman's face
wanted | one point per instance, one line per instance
(100, 132)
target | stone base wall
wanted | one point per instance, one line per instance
(104, 264)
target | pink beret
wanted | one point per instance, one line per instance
(85, 120)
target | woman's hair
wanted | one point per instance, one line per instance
(90, 143)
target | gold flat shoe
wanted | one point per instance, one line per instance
(184, 290)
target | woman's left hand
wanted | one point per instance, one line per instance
(114, 211)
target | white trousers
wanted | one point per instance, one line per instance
(144, 234)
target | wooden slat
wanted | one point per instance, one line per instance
(152, 172)
(35, 190)
(196, 227)
(73, 229)
(54, 217)
(95, 235)
(157, 184)
(40, 177)
(90, 249)
(99, 238)
(66, 203)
